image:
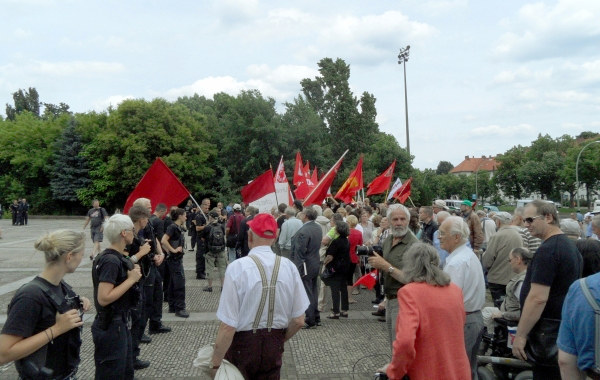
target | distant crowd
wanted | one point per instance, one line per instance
(430, 268)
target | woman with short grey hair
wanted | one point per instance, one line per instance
(429, 335)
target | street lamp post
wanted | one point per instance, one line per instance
(402, 59)
(577, 170)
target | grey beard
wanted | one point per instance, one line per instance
(399, 232)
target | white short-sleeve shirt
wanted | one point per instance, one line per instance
(242, 291)
(466, 272)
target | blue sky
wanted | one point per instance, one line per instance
(482, 76)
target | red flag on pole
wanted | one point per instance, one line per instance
(298, 170)
(282, 187)
(381, 183)
(369, 280)
(306, 170)
(315, 176)
(404, 191)
(160, 185)
(318, 194)
(352, 184)
(260, 193)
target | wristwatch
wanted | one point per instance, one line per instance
(390, 270)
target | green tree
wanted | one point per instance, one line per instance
(330, 96)
(542, 175)
(507, 176)
(135, 134)
(27, 160)
(25, 100)
(70, 172)
(444, 167)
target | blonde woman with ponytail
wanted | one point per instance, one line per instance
(43, 326)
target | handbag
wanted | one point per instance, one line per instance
(327, 275)
(541, 348)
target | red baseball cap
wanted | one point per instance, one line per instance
(264, 225)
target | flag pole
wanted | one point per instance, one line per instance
(410, 199)
(313, 190)
(271, 167)
(191, 196)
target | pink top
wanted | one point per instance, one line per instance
(430, 334)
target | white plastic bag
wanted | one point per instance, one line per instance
(226, 371)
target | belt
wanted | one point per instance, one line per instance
(263, 331)
(473, 312)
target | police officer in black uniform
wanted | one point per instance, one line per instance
(42, 333)
(14, 210)
(23, 212)
(172, 242)
(153, 290)
(139, 216)
(116, 292)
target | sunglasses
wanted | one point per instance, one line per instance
(531, 219)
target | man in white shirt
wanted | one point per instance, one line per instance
(465, 271)
(250, 338)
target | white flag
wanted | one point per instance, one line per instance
(395, 187)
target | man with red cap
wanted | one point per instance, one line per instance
(262, 306)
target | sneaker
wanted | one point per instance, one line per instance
(200, 277)
(140, 364)
(207, 289)
(182, 313)
(159, 330)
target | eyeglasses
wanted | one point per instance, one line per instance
(531, 219)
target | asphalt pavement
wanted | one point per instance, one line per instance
(342, 349)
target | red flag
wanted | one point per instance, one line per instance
(306, 170)
(314, 179)
(298, 173)
(318, 194)
(260, 192)
(381, 183)
(369, 280)
(282, 187)
(160, 185)
(403, 192)
(352, 184)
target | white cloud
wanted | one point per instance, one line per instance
(543, 31)
(22, 33)
(114, 101)
(281, 82)
(506, 131)
(75, 68)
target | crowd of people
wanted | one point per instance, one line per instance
(278, 271)
(19, 210)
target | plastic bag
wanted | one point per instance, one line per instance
(226, 371)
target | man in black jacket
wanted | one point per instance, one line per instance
(305, 254)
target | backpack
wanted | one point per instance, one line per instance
(216, 238)
(593, 372)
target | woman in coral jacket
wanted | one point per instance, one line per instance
(429, 334)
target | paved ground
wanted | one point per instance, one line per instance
(340, 349)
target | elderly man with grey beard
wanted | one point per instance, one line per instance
(394, 247)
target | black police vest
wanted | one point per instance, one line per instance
(132, 296)
(36, 366)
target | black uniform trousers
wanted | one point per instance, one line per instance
(153, 298)
(176, 291)
(137, 322)
(200, 260)
(113, 350)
